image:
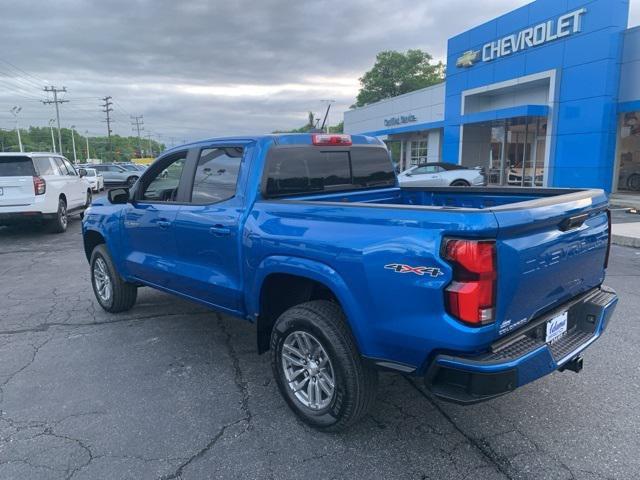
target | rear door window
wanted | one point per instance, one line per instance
(70, 168)
(61, 166)
(16, 167)
(216, 175)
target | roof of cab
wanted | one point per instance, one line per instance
(277, 138)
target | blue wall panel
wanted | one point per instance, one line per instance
(588, 70)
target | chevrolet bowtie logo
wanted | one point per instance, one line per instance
(468, 59)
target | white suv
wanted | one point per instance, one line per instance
(41, 186)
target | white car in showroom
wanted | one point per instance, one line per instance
(43, 187)
(441, 175)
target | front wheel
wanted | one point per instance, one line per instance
(318, 367)
(460, 183)
(633, 183)
(112, 292)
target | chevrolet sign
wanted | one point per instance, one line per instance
(540, 34)
(563, 26)
(468, 59)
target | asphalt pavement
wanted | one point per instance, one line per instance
(170, 390)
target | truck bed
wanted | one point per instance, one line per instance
(474, 198)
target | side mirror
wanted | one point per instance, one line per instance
(82, 172)
(408, 174)
(118, 196)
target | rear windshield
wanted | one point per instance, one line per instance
(16, 167)
(304, 169)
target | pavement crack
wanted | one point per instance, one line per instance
(487, 452)
(200, 453)
(43, 327)
(238, 377)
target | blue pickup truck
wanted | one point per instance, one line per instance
(478, 291)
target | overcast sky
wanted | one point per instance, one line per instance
(203, 68)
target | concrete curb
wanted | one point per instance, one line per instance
(623, 241)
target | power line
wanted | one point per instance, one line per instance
(55, 101)
(107, 109)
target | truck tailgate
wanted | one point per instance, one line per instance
(548, 251)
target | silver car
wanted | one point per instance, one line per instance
(441, 175)
(115, 174)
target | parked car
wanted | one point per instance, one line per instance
(441, 175)
(95, 179)
(345, 273)
(43, 187)
(115, 174)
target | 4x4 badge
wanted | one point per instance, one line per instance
(399, 268)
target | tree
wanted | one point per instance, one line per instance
(395, 73)
(38, 139)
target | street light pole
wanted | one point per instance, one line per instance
(86, 132)
(53, 142)
(15, 111)
(73, 142)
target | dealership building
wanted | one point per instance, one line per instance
(547, 95)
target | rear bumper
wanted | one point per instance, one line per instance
(523, 356)
(24, 217)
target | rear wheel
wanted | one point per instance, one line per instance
(60, 223)
(318, 368)
(131, 180)
(112, 292)
(460, 183)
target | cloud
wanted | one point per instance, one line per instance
(198, 68)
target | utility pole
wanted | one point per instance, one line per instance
(86, 132)
(107, 109)
(55, 101)
(138, 125)
(53, 142)
(73, 142)
(150, 152)
(15, 111)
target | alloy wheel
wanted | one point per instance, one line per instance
(308, 370)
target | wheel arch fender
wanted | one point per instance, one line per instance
(313, 270)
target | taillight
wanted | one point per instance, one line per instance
(471, 295)
(328, 139)
(39, 185)
(606, 258)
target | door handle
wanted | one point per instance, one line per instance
(164, 223)
(219, 230)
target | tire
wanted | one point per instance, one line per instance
(131, 180)
(633, 182)
(460, 183)
(61, 222)
(117, 295)
(321, 323)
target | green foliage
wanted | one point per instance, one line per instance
(38, 139)
(395, 73)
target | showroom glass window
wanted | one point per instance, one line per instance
(419, 149)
